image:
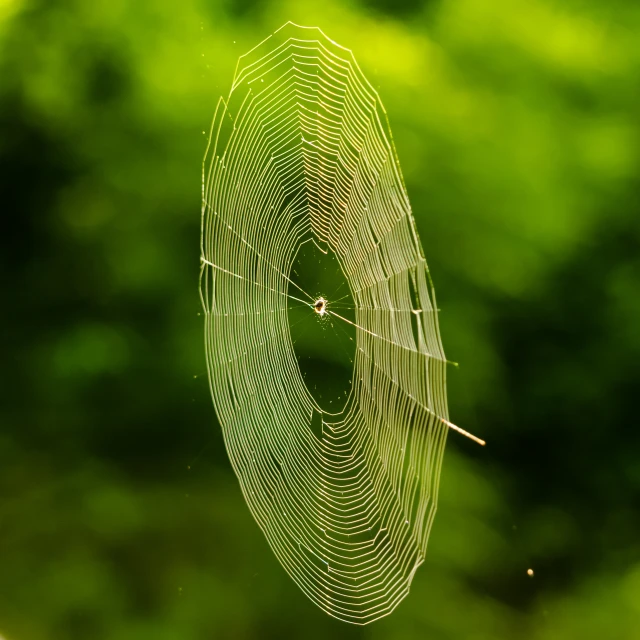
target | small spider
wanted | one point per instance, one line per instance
(320, 306)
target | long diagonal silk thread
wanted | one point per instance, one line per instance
(301, 152)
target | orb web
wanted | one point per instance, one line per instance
(301, 152)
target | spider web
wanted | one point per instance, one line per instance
(301, 152)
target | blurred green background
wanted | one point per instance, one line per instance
(518, 129)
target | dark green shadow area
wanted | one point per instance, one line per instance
(325, 343)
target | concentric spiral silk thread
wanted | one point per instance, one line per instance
(301, 150)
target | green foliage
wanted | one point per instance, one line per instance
(518, 132)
